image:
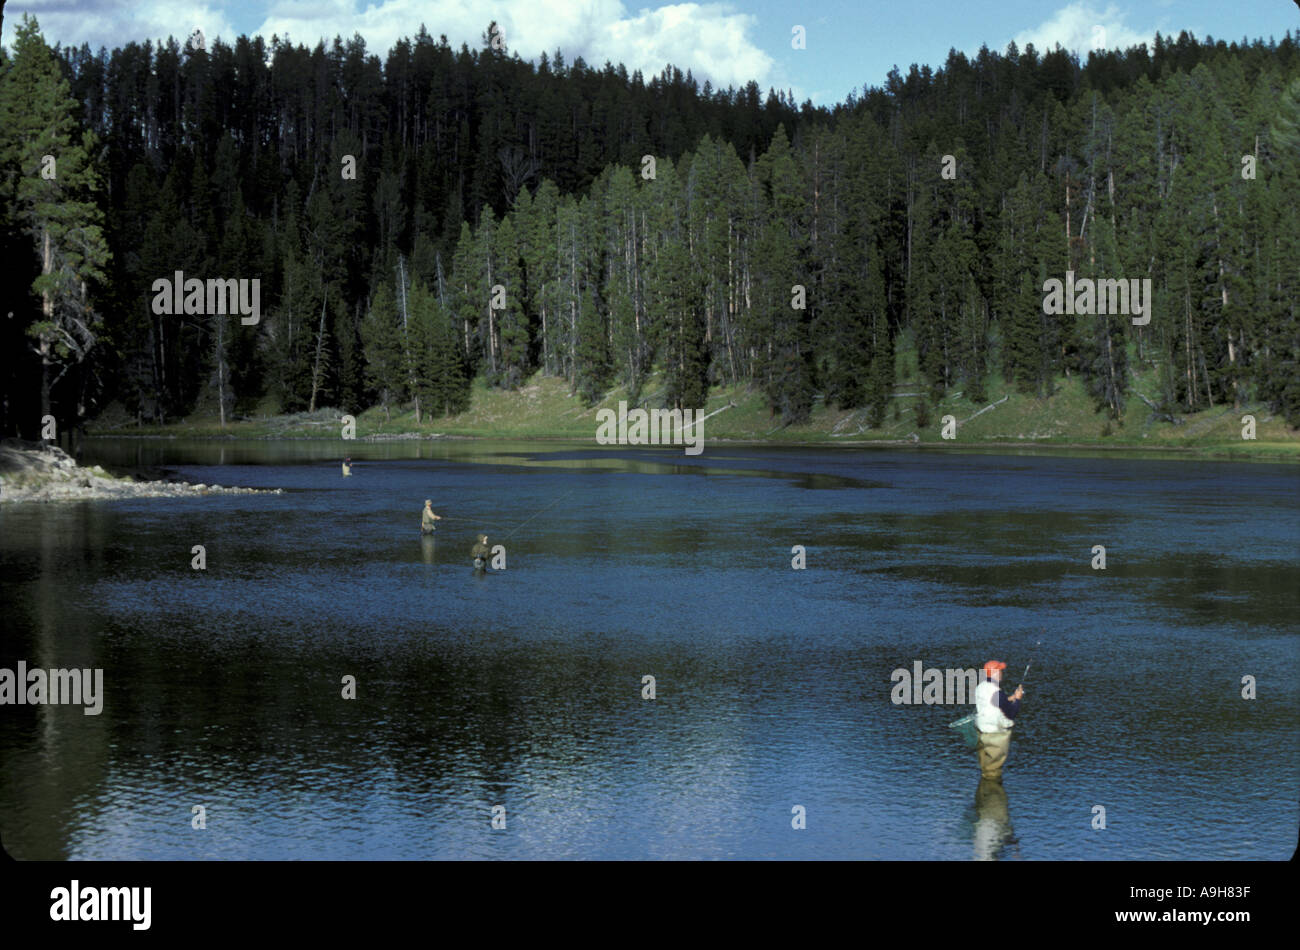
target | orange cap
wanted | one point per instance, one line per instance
(992, 665)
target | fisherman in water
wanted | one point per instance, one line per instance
(994, 716)
(480, 553)
(347, 467)
(428, 518)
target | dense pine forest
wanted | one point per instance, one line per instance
(436, 215)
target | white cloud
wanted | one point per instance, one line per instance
(710, 39)
(1081, 27)
(707, 38)
(113, 23)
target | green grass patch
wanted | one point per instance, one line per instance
(544, 407)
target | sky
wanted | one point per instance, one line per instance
(849, 44)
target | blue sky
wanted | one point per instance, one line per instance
(850, 43)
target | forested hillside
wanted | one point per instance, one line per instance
(631, 226)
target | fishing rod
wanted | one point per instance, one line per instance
(1030, 663)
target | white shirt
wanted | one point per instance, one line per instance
(988, 714)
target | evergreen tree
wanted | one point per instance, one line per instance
(511, 320)
(592, 362)
(537, 223)
(785, 369)
(381, 336)
(53, 189)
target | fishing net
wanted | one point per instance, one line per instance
(965, 727)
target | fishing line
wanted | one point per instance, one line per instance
(547, 508)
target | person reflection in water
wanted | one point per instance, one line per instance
(992, 820)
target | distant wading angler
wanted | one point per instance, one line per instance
(347, 467)
(428, 518)
(480, 553)
(994, 716)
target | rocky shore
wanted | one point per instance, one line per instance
(34, 471)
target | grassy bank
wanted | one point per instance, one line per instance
(544, 408)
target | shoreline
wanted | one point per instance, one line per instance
(544, 410)
(1274, 452)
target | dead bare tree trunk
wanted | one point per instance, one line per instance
(316, 368)
(221, 368)
(406, 337)
(47, 311)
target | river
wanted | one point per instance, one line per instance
(773, 686)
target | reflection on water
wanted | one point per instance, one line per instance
(992, 830)
(523, 688)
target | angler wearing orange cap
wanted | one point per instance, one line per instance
(995, 713)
